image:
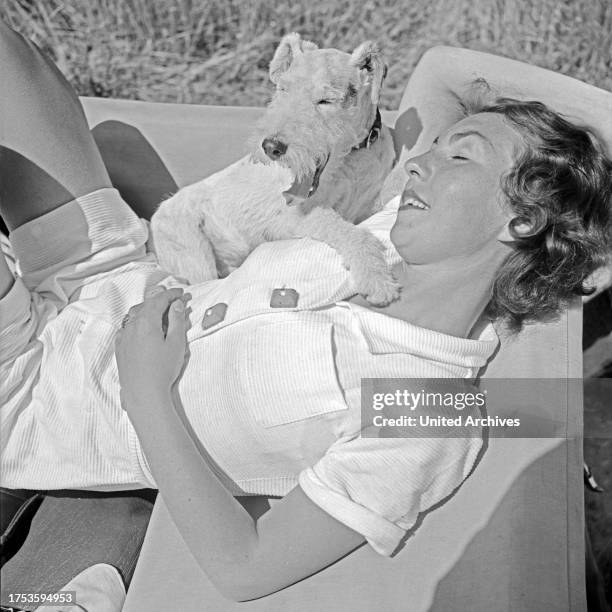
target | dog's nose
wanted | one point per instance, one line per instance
(274, 148)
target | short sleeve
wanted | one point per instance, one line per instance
(378, 486)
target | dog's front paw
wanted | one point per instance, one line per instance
(379, 289)
(372, 277)
(383, 291)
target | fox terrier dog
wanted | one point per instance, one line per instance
(318, 160)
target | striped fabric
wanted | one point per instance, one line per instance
(273, 394)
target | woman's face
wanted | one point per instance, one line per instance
(452, 204)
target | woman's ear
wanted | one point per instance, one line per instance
(520, 229)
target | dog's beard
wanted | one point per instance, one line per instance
(306, 186)
(305, 167)
(306, 162)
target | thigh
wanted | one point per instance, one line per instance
(47, 154)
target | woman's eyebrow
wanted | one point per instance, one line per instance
(457, 135)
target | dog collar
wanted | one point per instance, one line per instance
(373, 134)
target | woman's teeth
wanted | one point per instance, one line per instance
(416, 203)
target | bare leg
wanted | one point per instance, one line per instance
(47, 154)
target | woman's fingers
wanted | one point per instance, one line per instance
(156, 304)
(152, 313)
(158, 298)
(177, 321)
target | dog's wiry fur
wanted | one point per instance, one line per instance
(323, 108)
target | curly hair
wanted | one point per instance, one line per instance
(561, 188)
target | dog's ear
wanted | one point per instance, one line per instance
(368, 58)
(289, 47)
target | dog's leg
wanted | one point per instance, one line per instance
(180, 242)
(361, 252)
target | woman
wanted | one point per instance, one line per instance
(506, 211)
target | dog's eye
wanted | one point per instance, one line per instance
(324, 102)
(459, 157)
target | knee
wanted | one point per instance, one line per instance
(28, 70)
(19, 56)
(13, 47)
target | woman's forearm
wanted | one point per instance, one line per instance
(514, 78)
(243, 558)
(218, 530)
(443, 76)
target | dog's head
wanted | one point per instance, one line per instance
(324, 105)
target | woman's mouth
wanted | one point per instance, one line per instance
(410, 199)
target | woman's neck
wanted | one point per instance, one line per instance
(447, 296)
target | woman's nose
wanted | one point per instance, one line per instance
(417, 167)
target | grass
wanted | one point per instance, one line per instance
(217, 51)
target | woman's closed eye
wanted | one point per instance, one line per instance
(463, 151)
(461, 155)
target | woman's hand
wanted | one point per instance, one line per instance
(150, 347)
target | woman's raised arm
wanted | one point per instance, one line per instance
(443, 75)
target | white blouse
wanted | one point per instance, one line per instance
(271, 390)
